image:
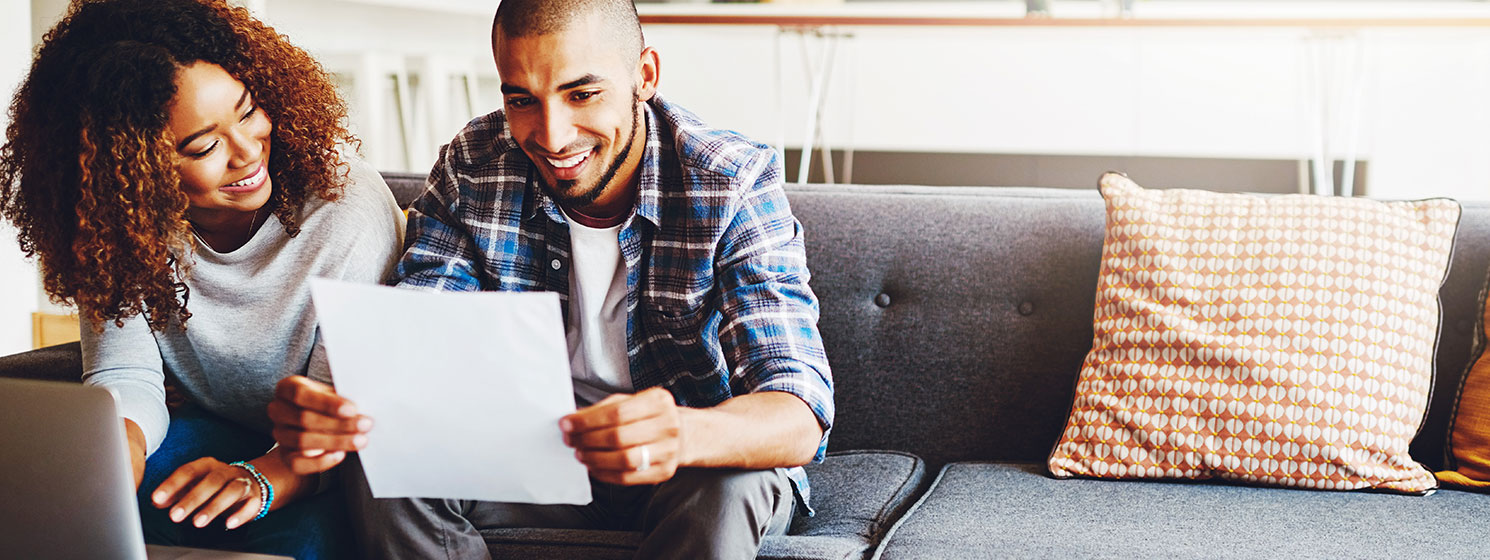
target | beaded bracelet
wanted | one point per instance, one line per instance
(266, 490)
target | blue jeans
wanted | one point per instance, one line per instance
(316, 527)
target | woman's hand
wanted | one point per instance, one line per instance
(206, 488)
(315, 427)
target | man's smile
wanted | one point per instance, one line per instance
(569, 168)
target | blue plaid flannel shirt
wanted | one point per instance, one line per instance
(717, 298)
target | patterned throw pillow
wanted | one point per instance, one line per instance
(1283, 340)
(1469, 436)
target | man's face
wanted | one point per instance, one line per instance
(572, 100)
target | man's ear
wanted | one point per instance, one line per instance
(648, 72)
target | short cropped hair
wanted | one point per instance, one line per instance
(525, 18)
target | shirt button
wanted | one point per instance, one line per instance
(556, 264)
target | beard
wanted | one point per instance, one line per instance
(563, 190)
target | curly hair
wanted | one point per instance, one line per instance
(87, 173)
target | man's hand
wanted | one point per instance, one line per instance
(628, 439)
(315, 426)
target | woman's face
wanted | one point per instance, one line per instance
(222, 144)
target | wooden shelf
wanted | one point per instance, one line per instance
(48, 329)
(861, 20)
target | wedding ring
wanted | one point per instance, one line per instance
(248, 486)
(646, 461)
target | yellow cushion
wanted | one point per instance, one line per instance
(1283, 340)
(1469, 438)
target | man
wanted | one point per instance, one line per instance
(692, 331)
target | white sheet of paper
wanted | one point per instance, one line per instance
(465, 391)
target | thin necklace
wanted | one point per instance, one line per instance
(247, 236)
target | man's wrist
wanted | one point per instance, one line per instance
(686, 454)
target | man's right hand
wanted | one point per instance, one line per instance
(315, 426)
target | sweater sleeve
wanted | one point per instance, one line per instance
(126, 361)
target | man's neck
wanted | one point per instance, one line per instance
(607, 216)
(615, 203)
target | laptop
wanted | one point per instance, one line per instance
(66, 488)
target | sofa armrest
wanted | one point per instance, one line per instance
(63, 362)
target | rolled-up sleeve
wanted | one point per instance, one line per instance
(768, 327)
(439, 252)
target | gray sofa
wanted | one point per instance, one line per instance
(956, 320)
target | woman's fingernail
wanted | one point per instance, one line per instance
(232, 523)
(201, 521)
(364, 424)
(178, 514)
(312, 453)
(347, 410)
(566, 425)
(158, 497)
(359, 441)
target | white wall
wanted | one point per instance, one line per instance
(44, 14)
(18, 278)
(362, 41)
(1237, 92)
(1127, 91)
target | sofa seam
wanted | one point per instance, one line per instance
(880, 547)
(879, 517)
(877, 532)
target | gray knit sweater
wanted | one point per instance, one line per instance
(252, 322)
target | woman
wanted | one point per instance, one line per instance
(179, 170)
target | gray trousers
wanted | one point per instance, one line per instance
(700, 513)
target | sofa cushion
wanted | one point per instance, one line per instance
(560, 544)
(1457, 333)
(405, 186)
(988, 510)
(857, 495)
(1284, 340)
(955, 318)
(860, 493)
(1469, 435)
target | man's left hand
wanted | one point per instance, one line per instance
(628, 439)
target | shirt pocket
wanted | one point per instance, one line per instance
(681, 323)
(686, 356)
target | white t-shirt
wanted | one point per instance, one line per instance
(597, 313)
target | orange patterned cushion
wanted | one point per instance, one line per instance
(1280, 340)
(1469, 438)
